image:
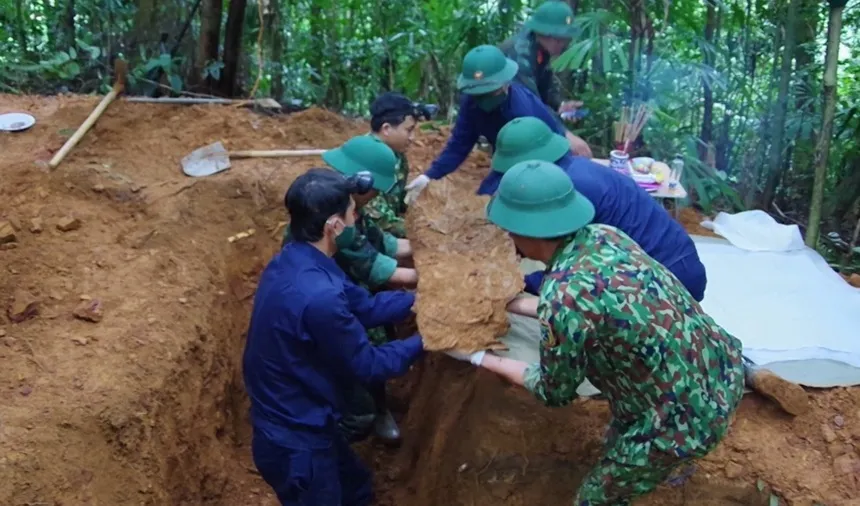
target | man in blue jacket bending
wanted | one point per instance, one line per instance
(618, 200)
(489, 100)
(307, 344)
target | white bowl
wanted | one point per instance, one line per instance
(16, 121)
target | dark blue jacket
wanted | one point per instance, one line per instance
(621, 203)
(473, 122)
(307, 339)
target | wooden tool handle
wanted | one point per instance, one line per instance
(120, 71)
(276, 153)
(83, 129)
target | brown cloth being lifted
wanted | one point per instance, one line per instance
(467, 269)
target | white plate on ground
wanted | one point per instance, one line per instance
(16, 121)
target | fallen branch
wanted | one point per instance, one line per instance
(170, 88)
(262, 102)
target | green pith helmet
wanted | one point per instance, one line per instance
(552, 19)
(536, 199)
(365, 153)
(527, 138)
(485, 69)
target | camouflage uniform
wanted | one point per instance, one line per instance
(673, 377)
(369, 262)
(388, 209)
(535, 71)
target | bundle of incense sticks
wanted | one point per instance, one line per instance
(632, 122)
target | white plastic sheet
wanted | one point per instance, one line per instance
(785, 307)
(791, 311)
(756, 231)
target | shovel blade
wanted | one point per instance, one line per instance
(206, 161)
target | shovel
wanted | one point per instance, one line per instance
(214, 158)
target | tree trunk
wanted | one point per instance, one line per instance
(776, 150)
(804, 148)
(144, 29)
(276, 34)
(210, 39)
(318, 45)
(69, 24)
(822, 152)
(21, 27)
(723, 143)
(635, 9)
(599, 79)
(750, 183)
(708, 112)
(232, 47)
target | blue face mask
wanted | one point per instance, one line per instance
(489, 103)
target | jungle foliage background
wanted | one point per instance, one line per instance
(761, 97)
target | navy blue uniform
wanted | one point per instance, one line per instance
(473, 122)
(621, 203)
(306, 345)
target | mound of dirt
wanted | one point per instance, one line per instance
(124, 308)
(125, 304)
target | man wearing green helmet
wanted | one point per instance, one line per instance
(617, 199)
(369, 256)
(371, 259)
(612, 314)
(489, 99)
(544, 36)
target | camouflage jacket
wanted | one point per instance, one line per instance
(614, 315)
(370, 261)
(388, 209)
(535, 71)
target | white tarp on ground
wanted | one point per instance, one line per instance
(791, 311)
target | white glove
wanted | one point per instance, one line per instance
(415, 187)
(475, 358)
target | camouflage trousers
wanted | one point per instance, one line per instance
(612, 483)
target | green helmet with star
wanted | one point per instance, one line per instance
(485, 70)
(552, 19)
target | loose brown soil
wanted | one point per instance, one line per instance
(469, 268)
(121, 382)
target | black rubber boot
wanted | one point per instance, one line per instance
(385, 427)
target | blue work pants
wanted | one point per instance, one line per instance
(333, 476)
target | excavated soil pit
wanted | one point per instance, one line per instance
(146, 405)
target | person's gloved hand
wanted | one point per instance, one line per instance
(415, 187)
(474, 358)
